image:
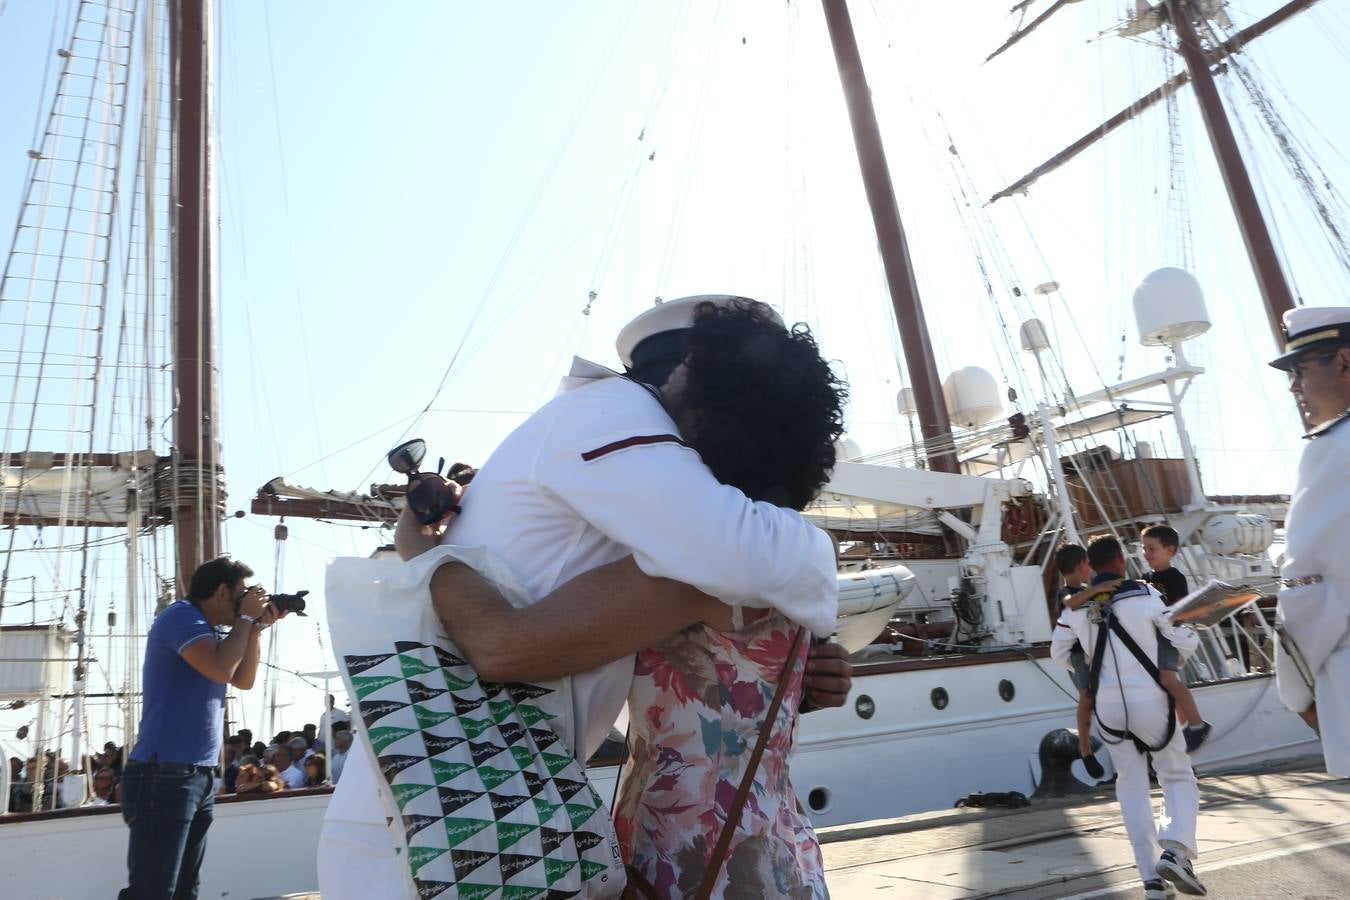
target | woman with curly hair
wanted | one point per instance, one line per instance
(763, 410)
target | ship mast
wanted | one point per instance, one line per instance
(1255, 233)
(197, 491)
(904, 290)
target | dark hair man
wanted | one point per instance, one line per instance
(1136, 718)
(1312, 659)
(169, 783)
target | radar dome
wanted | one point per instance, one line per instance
(1169, 308)
(1034, 338)
(846, 448)
(904, 403)
(973, 397)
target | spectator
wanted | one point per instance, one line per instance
(259, 750)
(332, 717)
(342, 742)
(105, 788)
(311, 734)
(316, 770)
(20, 794)
(230, 758)
(292, 776)
(245, 737)
(256, 779)
(112, 758)
(300, 750)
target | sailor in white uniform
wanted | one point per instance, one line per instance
(597, 474)
(1312, 659)
(1137, 721)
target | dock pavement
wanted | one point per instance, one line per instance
(1262, 835)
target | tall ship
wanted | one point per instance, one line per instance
(130, 257)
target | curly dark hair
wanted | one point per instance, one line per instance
(760, 405)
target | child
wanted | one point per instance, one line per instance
(1072, 562)
(1160, 546)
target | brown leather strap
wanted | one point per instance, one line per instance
(719, 854)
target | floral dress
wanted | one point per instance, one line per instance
(697, 705)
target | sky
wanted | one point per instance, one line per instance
(413, 193)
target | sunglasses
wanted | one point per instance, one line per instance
(1299, 369)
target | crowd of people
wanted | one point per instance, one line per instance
(291, 760)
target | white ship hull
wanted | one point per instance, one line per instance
(908, 757)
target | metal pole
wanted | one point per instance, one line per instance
(327, 734)
(904, 290)
(1057, 473)
(1255, 234)
(1187, 448)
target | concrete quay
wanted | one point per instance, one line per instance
(1262, 834)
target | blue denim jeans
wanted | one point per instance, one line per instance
(168, 808)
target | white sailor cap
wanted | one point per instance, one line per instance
(658, 329)
(1312, 327)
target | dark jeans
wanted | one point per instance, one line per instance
(168, 808)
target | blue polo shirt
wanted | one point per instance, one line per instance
(184, 711)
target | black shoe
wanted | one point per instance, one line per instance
(1094, 768)
(1196, 735)
(1180, 874)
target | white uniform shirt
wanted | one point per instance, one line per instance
(1317, 616)
(597, 474)
(1143, 614)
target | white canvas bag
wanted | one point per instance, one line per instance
(482, 793)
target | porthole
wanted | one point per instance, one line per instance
(864, 707)
(1006, 690)
(818, 799)
(939, 698)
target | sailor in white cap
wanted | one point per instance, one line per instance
(598, 474)
(1313, 655)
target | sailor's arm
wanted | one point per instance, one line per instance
(660, 500)
(602, 615)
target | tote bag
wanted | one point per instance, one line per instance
(482, 793)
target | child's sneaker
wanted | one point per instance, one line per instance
(1196, 735)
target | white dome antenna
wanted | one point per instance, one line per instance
(973, 397)
(904, 403)
(1034, 338)
(1169, 308)
(846, 448)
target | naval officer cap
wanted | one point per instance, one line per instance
(656, 339)
(1312, 328)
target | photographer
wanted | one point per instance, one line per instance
(169, 782)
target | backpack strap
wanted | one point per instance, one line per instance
(1094, 673)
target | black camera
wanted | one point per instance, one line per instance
(429, 495)
(284, 603)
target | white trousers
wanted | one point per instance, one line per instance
(357, 862)
(1174, 828)
(1333, 709)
